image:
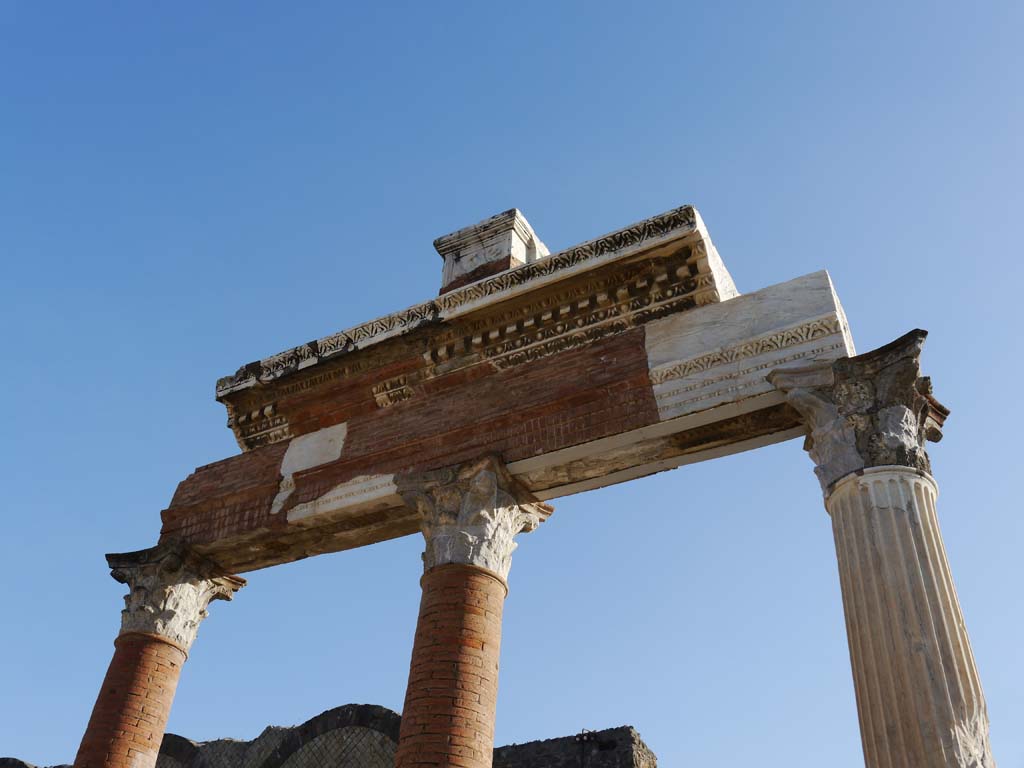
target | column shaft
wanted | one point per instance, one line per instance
(170, 588)
(918, 694)
(130, 715)
(917, 686)
(470, 516)
(448, 718)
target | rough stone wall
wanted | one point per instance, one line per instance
(611, 748)
(13, 762)
(365, 736)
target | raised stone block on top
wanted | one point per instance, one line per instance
(494, 245)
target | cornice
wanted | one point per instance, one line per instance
(544, 322)
(666, 227)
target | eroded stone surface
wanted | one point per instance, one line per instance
(470, 515)
(866, 411)
(610, 748)
(170, 591)
(502, 242)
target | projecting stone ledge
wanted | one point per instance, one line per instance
(711, 282)
(624, 356)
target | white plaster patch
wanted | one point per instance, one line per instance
(722, 353)
(359, 493)
(305, 452)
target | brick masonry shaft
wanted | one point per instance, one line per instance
(131, 711)
(448, 719)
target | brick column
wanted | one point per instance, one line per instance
(170, 590)
(919, 696)
(469, 517)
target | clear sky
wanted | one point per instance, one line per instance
(186, 187)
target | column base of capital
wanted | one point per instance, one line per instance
(896, 470)
(477, 569)
(125, 637)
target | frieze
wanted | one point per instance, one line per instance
(770, 342)
(560, 344)
(746, 372)
(592, 312)
(312, 382)
(599, 290)
(545, 333)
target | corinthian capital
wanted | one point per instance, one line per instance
(870, 410)
(170, 589)
(471, 514)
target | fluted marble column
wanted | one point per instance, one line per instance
(919, 697)
(469, 518)
(170, 589)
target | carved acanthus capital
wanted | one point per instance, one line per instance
(871, 410)
(170, 589)
(471, 514)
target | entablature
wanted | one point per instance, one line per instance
(627, 355)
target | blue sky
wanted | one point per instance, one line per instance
(188, 187)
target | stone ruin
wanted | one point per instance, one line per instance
(535, 375)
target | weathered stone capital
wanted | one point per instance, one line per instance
(470, 514)
(170, 589)
(870, 410)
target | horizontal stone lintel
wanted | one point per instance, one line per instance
(667, 390)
